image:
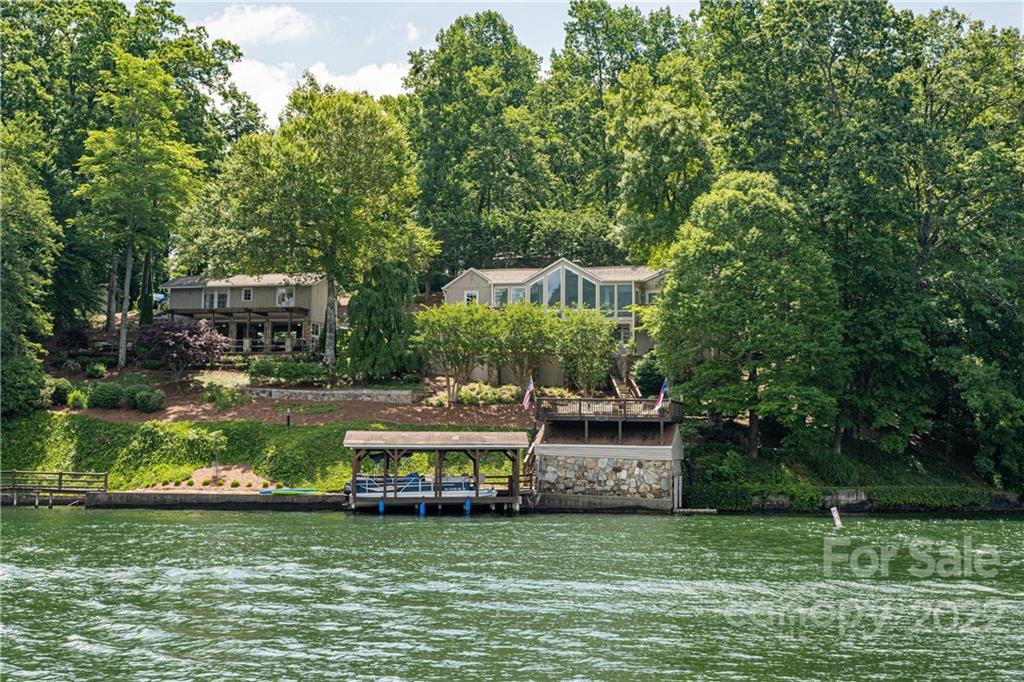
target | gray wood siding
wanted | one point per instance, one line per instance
(469, 281)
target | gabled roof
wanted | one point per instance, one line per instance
(601, 273)
(438, 440)
(265, 280)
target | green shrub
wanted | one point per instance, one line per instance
(59, 390)
(439, 400)
(23, 384)
(96, 370)
(647, 375)
(266, 484)
(928, 497)
(149, 400)
(177, 484)
(150, 363)
(206, 481)
(105, 395)
(249, 484)
(235, 484)
(72, 366)
(224, 397)
(190, 483)
(483, 394)
(286, 372)
(78, 399)
(556, 392)
(129, 393)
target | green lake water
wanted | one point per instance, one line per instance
(140, 595)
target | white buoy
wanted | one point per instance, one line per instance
(835, 517)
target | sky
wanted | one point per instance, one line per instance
(365, 45)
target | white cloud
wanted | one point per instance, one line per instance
(375, 79)
(411, 32)
(270, 84)
(268, 24)
(267, 84)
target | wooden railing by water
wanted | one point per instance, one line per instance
(607, 409)
(54, 482)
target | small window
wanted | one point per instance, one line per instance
(500, 295)
(472, 297)
(518, 294)
(623, 334)
(653, 296)
(537, 292)
(285, 297)
(315, 329)
(246, 295)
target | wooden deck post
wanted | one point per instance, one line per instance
(475, 456)
(438, 474)
(357, 456)
(387, 460)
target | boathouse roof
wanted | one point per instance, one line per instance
(438, 440)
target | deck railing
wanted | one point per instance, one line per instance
(56, 482)
(607, 409)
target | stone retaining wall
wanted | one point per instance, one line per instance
(397, 396)
(630, 478)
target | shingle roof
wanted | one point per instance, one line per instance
(438, 440)
(604, 273)
(266, 280)
(509, 275)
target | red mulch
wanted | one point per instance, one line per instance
(190, 406)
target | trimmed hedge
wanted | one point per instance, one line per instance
(286, 372)
(483, 394)
(105, 395)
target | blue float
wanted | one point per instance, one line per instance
(380, 506)
(468, 505)
(423, 508)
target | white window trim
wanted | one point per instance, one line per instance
(476, 296)
(247, 290)
(277, 297)
(315, 329)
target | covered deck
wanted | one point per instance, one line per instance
(391, 446)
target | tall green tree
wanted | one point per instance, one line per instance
(28, 241)
(573, 106)
(51, 65)
(477, 148)
(380, 321)
(456, 339)
(667, 135)
(330, 192)
(138, 173)
(750, 318)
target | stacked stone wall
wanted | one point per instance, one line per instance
(637, 478)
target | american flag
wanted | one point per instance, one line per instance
(528, 394)
(661, 395)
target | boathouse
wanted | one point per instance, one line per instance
(386, 449)
(608, 454)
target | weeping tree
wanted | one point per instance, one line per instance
(380, 322)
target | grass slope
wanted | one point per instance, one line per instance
(139, 455)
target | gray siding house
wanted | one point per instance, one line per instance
(259, 313)
(611, 289)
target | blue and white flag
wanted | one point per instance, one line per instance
(661, 395)
(528, 394)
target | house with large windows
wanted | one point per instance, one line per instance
(259, 313)
(612, 289)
